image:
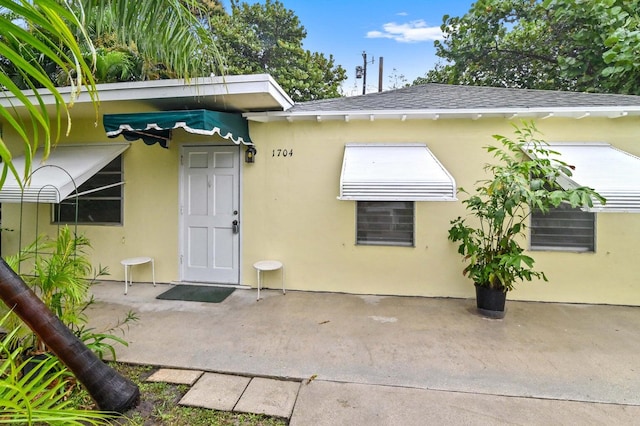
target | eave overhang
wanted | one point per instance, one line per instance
(438, 114)
(234, 93)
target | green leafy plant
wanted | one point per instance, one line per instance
(101, 342)
(37, 394)
(61, 275)
(525, 178)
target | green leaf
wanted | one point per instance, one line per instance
(490, 242)
(549, 44)
(611, 40)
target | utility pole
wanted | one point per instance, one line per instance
(380, 70)
(361, 72)
(364, 79)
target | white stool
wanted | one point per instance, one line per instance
(128, 263)
(268, 265)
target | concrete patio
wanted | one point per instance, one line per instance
(394, 360)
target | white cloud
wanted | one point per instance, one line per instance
(410, 32)
(402, 14)
(376, 34)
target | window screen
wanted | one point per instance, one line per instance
(104, 206)
(563, 228)
(385, 223)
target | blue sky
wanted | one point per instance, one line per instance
(401, 31)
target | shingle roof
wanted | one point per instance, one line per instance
(445, 97)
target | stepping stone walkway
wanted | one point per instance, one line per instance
(177, 377)
(227, 392)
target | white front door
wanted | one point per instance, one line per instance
(210, 193)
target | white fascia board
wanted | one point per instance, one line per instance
(167, 89)
(241, 84)
(566, 112)
(279, 94)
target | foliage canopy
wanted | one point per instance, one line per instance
(267, 38)
(588, 46)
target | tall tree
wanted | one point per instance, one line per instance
(183, 46)
(591, 46)
(267, 38)
(128, 56)
(49, 31)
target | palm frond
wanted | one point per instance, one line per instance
(37, 395)
(168, 33)
(44, 26)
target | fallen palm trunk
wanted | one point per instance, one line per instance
(110, 390)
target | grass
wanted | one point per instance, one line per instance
(159, 405)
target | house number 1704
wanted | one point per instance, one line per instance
(282, 152)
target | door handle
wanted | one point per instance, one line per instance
(235, 227)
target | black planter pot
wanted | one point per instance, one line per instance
(33, 362)
(490, 301)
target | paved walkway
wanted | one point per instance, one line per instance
(371, 360)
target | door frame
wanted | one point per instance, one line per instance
(181, 200)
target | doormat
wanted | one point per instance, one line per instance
(197, 293)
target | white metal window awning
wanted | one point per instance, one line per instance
(613, 173)
(66, 168)
(394, 172)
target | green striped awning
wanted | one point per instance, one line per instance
(154, 127)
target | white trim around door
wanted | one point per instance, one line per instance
(210, 214)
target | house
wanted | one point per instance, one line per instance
(352, 194)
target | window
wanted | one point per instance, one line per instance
(99, 199)
(388, 223)
(563, 228)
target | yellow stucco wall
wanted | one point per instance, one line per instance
(291, 213)
(150, 206)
